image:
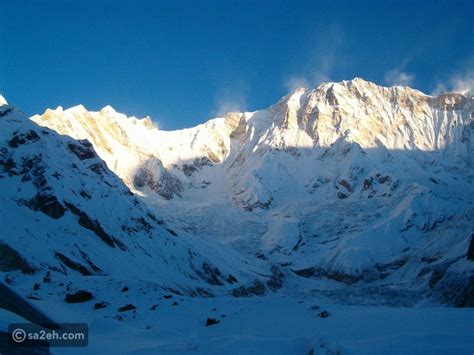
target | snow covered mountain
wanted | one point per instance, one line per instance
(331, 203)
(365, 186)
(66, 218)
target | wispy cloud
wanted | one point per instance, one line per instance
(397, 76)
(294, 82)
(325, 55)
(461, 80)
(229, 99)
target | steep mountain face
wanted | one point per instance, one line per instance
(67, 217)
(351, 182)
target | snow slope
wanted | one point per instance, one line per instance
(65, 216)
(350, 182)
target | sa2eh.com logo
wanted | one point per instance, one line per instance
(60, 334)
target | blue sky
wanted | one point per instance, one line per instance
(182, 62)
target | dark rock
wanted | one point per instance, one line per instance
(154, 307)
(323, 314)
(231, 279)
(101, 305)
(210, 274)
(174, 303)
(83, 150)
(9, 279)
(99, 169)
(47, 278)
(436, 276)
(367, 183)
(466, 299)
(11, 260)
(188, 169)
(85, 195)
(249, 207)
(261, 256)
(335, 275)
(201, 292)
(125, 289)
(5, 112)
(172, 232)
(395, 265)
(168, 186)
(307, 272)
(9, 165)
(430, 259)
(79, 297)
(92, 266)
(36, 286)
(211, 321)
(128, 307)
(33, 296)
(470, 250)
(276, 280)
(22, 138)
(346, 278)
(346, 185)
(93, 225)
(198, 163)
(48, 204)
(73, 264)
(257, 289)
(383, 179)
(168, 297)
(341, 195)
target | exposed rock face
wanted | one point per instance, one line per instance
(470, 250)
(153, 175)
(466, 299)
(93, 225)
(11, 260)
(257, 288)
(83, 150)
(48, 204)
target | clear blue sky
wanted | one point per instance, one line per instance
(182, 62)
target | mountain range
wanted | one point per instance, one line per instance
(351, 192)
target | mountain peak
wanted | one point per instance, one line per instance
(3, 101)
(78, 109)
(108, 110)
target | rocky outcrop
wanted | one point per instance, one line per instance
(11, 260)
(94, 226)
(257, 288)
(48, 204)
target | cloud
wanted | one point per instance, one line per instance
(461, 81)
(398, 77)
(294, 82)
(326, 54)
(229, 99)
